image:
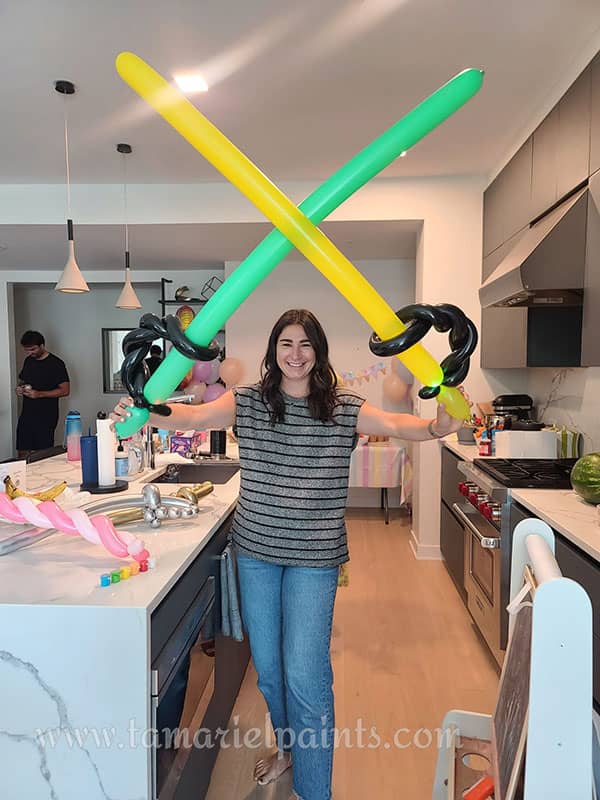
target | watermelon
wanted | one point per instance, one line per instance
(585, 478)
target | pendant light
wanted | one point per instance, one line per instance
(71, 281)
(128, 297)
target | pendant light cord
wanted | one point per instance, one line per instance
(125, 201)
(67, 161)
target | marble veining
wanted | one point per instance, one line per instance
(62, 726)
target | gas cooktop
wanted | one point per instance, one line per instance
(528, 473)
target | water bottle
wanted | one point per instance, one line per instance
(73, 434)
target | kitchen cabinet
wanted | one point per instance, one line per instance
(590, 339)
(507, 201)
(580, 567)
(492, 216)
(544, 187)
(595, 117)
(561, 146)
(516, 191)
(573, 148)
(452, 543)
(503, 338)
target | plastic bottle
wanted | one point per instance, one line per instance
(73, 435)
(121, 461)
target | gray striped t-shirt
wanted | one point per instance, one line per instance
(293, 480)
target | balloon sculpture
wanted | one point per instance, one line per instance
(97, 530)
(295, 228)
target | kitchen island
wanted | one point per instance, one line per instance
(88, 672)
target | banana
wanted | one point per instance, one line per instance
(46, 494)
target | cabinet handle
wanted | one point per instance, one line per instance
(488, 542)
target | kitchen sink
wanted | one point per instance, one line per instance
(214, 471)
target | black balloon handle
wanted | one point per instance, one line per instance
(136, 346)
(419, 318)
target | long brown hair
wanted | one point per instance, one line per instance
(322, 398)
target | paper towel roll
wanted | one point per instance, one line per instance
(106, 452)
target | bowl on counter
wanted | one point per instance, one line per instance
(466, 435)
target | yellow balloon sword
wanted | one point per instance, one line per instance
(208, 140)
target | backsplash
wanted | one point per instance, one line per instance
(569, 397)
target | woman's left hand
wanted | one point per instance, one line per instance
(444, 423)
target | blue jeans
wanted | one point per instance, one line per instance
(288, 614)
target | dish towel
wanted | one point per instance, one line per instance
(231, 620)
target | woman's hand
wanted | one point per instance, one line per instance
(444, 423)
(121, 411)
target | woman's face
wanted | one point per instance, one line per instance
(295, 354)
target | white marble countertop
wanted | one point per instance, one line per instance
(466, 451)
(65, 570)
(562, 509)
(567, 513)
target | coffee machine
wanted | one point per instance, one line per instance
(517, 412)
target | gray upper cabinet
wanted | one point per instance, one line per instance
(595, 117)
(516, 191)
(507, 201)
(544, 186)
(503, 341)
(573, 153)
(590, 342)
(492, 216)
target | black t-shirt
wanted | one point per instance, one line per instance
(154, 363)
(43, 374)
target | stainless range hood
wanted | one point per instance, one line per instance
(546, 267)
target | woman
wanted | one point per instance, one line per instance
(296, 430)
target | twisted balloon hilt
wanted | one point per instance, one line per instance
(97, 529)
(419, 318)
(136, 346)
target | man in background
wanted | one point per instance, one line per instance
(155, 359)
(42, 380)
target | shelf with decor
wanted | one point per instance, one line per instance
(207, 290)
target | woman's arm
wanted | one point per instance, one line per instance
(218, 414)
(375, 422)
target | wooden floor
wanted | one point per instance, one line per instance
(404, 652)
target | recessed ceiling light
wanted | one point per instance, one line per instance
(192, 82)
(403, 153)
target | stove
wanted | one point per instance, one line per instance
(528, 473)
(486, 515)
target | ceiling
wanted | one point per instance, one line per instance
(195, 245)
(299, 86)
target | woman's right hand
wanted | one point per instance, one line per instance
(121, 411)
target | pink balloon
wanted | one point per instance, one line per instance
(213, 375)
(231, 371)
(197, 389)
(201, 371)
(394, 388)
(212, 392)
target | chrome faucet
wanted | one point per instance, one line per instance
(149, 447)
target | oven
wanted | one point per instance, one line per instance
(486, 520)
(482, 574)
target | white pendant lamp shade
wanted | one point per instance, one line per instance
(71, 281)
(128, 298)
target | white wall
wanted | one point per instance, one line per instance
(571, 398)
